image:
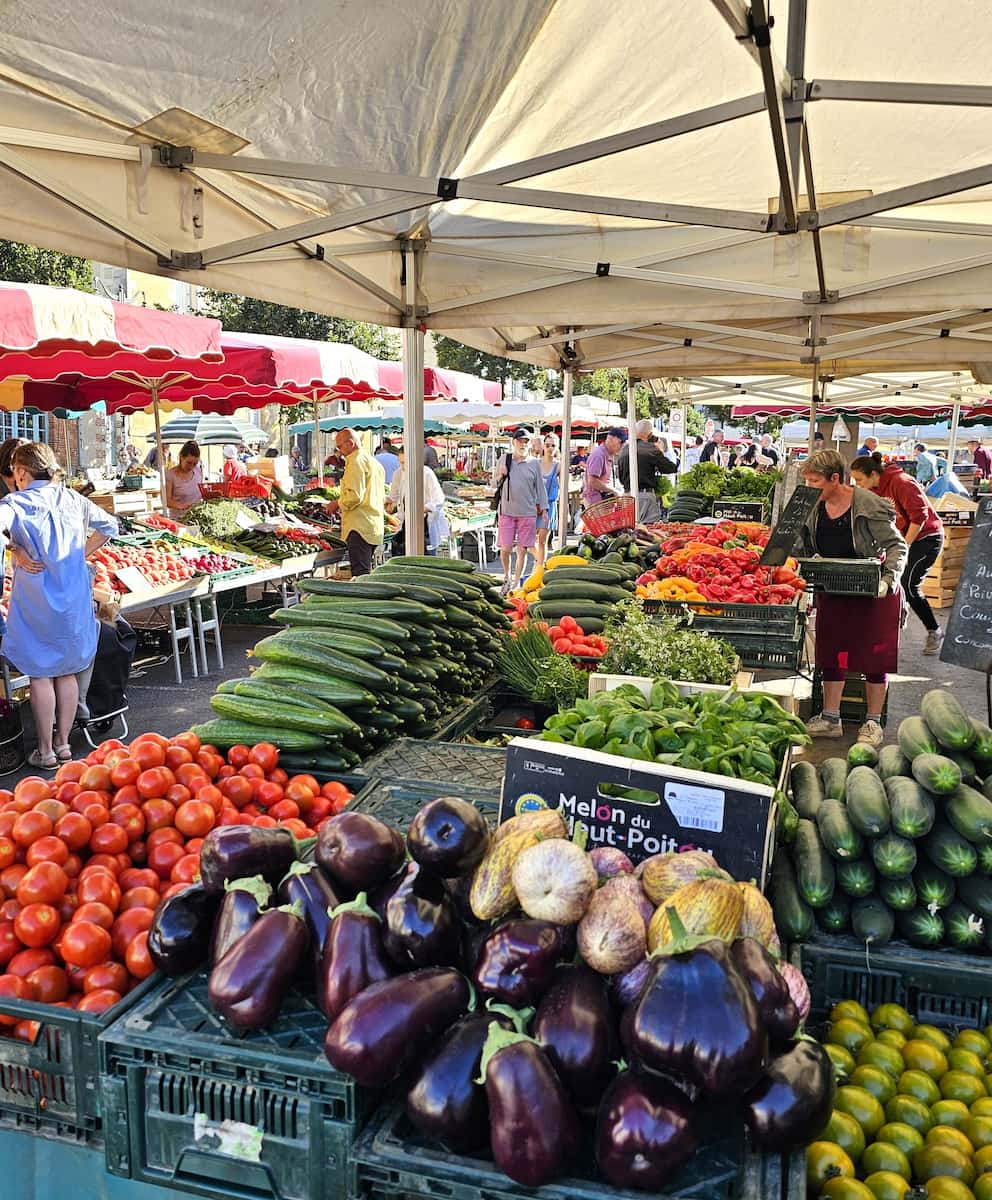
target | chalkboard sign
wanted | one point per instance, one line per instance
(786, 533)
(742, 510)
(968, 638)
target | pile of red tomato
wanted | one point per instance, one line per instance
(86, 857)
(568, 637)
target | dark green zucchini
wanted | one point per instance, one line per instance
(976, 892)
(937, 773)
(910, 807)
(892, 762)
(793, 917)
(949, 851)
(963, 929)
(894, 856)
(807, 794)
(872, 921)
(921, 927)
(867, 803)
(814, 866)
(833, 777)
(934, 887)
(862, 755)
(970, 814)
(835, 917)
(855, 878)
(898, 894)
(841, 839)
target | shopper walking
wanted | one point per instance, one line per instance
(51, 633)
(435, 524)
(853, 634)
(928, 466)
(362, 502)
(521, 500)
(547, 522)
(388, 459)
(234, 468)
(981, 458)
(651, 465)
(182, 482)
(599, 481)
(917, 521)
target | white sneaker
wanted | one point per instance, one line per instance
(871, 734)
(934, 638)
(821, 727)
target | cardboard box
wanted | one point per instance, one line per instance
(606, 683)
(270, 468)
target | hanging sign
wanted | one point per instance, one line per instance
(840, 433)
(709, 429)
(675, 423)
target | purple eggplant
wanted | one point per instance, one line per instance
(307, 884)
(516, 962)
(352, 956)
(247, 986)
(359, 851)
(241, 907)
(698, 1018)
(386, 1028)
(533, 1127)
(793, 1101)
(644, 1132)
(448, 836)
(420, 924)
(769, 989)
(446, 1101)
(628, 987)
(239, 851)
(179, 937)
(577, 1030)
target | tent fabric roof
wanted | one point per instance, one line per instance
(528, 176)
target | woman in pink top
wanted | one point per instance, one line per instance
(182, 483)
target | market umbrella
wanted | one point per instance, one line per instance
(208, 429)
(371, 422)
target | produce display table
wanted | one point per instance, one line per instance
(172, 606)
(482, 525)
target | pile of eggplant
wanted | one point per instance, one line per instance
(495, 1028)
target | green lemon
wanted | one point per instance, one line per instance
(956, 1085)
(959, 1059)
(842, 1059)
(981, 1160)
(947, 1135)
(825, 1161)
(893, 1038)
(982, 1187)
(887, 1185)
(909, 1111)
(904, 1137)
(883, 1156)
(878, 1054)
(862, 1106)
(849, 1010)
(943, 1187)
(979, 1131)
(919, 1085)
(932, 1161)
(873, 1079)
(920, 1055)
(950, 1112)
(892, 1016)
(975, 1041)
(846, 1189)
(844, 1131)
(852, 1035)
(982, 1107)
(930, 1033)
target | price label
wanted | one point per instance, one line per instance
(133, 579)
(745, 510)
(696, 807)
(243, 521)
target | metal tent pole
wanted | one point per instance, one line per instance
(566, 459)
(685, 440)
(158, 442)
(952, 437)
(632, 441)
(316, 439)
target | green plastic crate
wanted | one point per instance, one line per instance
(397, 801)
(392, 1162)
(451, 763)
(192, 1106)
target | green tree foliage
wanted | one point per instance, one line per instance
(30, 264)
(454, 356)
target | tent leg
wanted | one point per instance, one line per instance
(632, 442)
(952, 437)
(685, 440)
(565, 460)
(316, 440)
(812, 411)
(160, 459)
(413, 439)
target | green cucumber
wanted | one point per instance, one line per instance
(814, 866)
(285, 716)
(394, 610)
(934, 887)
(867, 803)
(342, 693)
(976, 893)
(793, 917)
(357, 644)
(325, 616)
(589, 574)
(269, 689)
(835, 917)
(947, 720)
(567, 590)
(921, 927)
(856, 878)
(457, 566)
(370, 589)
(340, 666)
(936, 773)
(970, 814)
(898, 894)
(862, 755)
(963, 929)
(554, 610)
(916, 738)
(981, 748)
(967, 767)
(841, 840)
(872, 921)
(223, 732)
(947, 849)
(910, 807)
(807, 795)
(448, 586)
(892, 762)
(833, 777)
(893, 856)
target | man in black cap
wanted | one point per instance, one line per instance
(522, 499)
(599, 468)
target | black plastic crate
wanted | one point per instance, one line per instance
(52, 1085)
(190, 1105)
(766, 650)
(842, 576)
(505, 708)
(726, 619)
(451, 763)
(398, 801)
(392, 1162)
(462, 719)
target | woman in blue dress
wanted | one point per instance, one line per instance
(51, 632)
(547, 524)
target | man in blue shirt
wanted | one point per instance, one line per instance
(390, 462)
(928, 466)
(869, 448)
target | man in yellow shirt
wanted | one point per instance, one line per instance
(362, 503)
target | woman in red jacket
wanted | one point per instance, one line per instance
(918, 523)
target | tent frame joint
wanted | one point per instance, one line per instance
(830, 296)
(447, 189)
(176, 156)
(182, 260)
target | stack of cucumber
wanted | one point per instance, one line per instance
(896, 843)
(587, 593)
(363, 661)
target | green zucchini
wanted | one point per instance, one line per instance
(342, 693)
(921, 927)
(981, 748)
(898, 894)
(269, 689)
(459, 618)
(814, 866)
(867, 803)
(936, 773)
(385, 720)
(947, 720)
(285, 716)
(862, 755)
(934, 887)
(370, 588)
(325, 616)
(589, 574)
(963, 929)
(316, 762)
(835, 917)
(223, 732)
(793, 917)
(340, 666)
(970, 814)
(457, 566)
(856, 878)
(567, 590)
(947, 849)
(427, 670)
(338, 639)
(892, 761)
(985, 859)
(554, 610)
(807, 795)
(872, 921)
(833, 776)
(910, 807)
(841, 840)
(408, 710)
(916, 738)
(969, 769)
(893, 856)
(976, 893)
(394, 610)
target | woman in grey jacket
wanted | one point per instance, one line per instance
(854, 633)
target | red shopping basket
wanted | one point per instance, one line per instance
(610, 516)
(213, 491)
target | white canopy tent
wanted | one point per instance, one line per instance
(682, 189)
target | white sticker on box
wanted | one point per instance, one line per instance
(234, 1138)
(243, 521)
(696, 807)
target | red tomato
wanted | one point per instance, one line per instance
(237, 756)
(7, 820)
(124, 773)
(12, 987)
(148, 754)
(178, 794)
(225, 772)
(111, 975)
(101, 887)
(265, 754)
(137, 959)
(67, 792)
(186, 869)
(194, 845)
(335, 790)
(95, 913)
(191, 776)
(277, 776)
(136, 877)
(269, 793)
(67, 906)
(44, 883)
(9, 910)
(285, 809)
(51, 984)
(210, 761)
(96, 813)
(8, 852)
(32, 789)
(188, 740)
(70, 772)
(130, 818)
(159, 814)
(55, 810)
(212, 796)
(177, 756)
(237, 789)
(168, 833)
(319, 809)
(138, 852)
(47, 849)
(85, 944)
(195, 818)
(163, 857)
(72, 866)
(99, 1001)
(295, 826)
(264, 822)
(107, 862)
(252, 770)
(30, 960)
(128, 925)
(30, 826)
(10, 943)
(298, 791)
(155, 782)
(97, 778)
(10, 877)
(109, 839)
(37, 925)
(144, 897)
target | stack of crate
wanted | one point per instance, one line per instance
(942, 581)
